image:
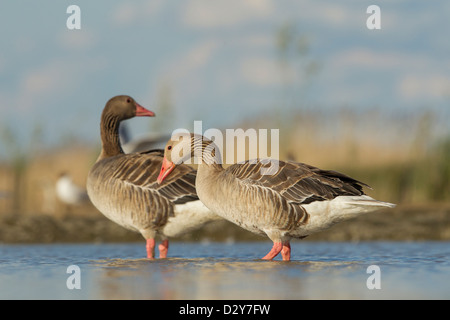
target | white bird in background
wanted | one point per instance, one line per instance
(70, 193)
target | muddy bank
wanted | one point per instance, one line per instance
(404, 223)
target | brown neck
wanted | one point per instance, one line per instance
(207, 151)
(109, 131)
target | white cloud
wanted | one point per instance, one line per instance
(193, 60)
(41, 82)
(256, 41)
(236, 13)
(366, 58)
(428, 86)
(410, 77)
(128, 12)
(260, 71)
(224, 13)
(186, 73)
(2, 63)
(51, 81)
(326, 14)
(397, 63)
(78, 40)
(125, 13)
(335, 14)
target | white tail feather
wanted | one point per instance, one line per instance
(367, 201)
(324, 214)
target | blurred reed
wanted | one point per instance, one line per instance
(401, 158)
(405, 158)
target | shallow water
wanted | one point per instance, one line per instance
(318, 270)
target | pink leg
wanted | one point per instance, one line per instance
(286, 251)
(163, 249)
(277, 246)
(150, 248)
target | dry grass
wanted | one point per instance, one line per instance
(37, 194)
(400, 162)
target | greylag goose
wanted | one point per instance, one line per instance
(295, 201)
(124, 188)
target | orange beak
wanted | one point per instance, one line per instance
(166, 168)
(142, 112)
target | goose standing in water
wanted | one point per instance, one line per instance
(296, 200)
(124, 186)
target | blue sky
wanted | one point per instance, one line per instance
(219, 60)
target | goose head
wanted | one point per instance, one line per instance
(125, 107)
(176, 151)
(117, 109)
(182, 147)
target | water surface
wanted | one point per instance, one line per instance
(319, 270)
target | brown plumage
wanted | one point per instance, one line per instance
(124, 187)
(282, 200)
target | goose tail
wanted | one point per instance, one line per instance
(366, 201)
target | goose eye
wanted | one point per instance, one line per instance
(128, 100)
